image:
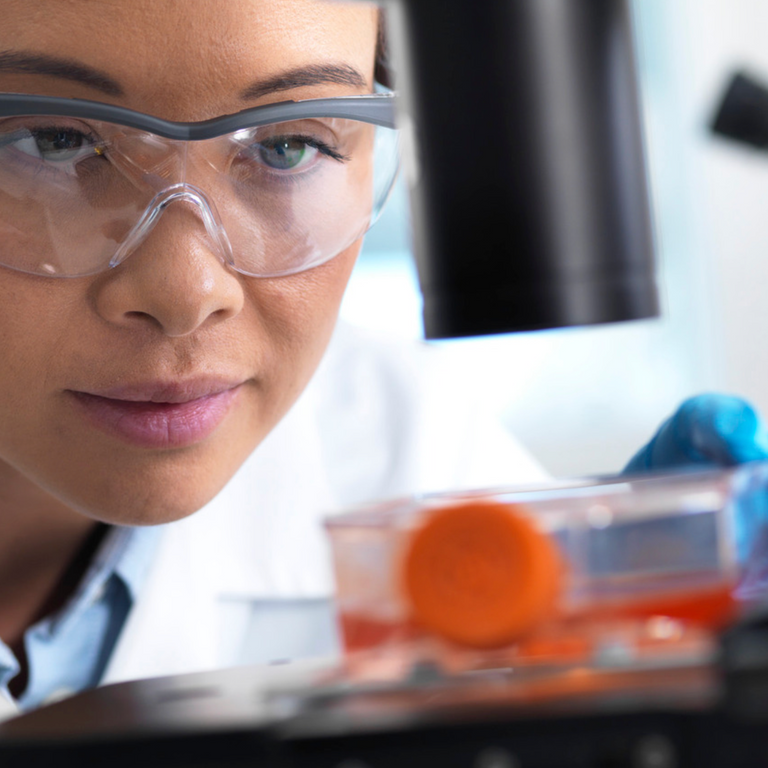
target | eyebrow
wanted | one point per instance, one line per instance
(315, 74)
(53, 66)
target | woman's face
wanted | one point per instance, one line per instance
(172, 323)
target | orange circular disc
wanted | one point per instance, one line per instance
(480, 574)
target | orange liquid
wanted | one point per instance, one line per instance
(362, 633)
(569, 638)
(710, 608)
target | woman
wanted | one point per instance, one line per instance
(132, 393)
(162, 309)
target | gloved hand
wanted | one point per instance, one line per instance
(707, 430)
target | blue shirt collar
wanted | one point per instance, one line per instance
(124, 555)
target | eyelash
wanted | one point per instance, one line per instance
(310, 141)
(89, 140)
(320, 146)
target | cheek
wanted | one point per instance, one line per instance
(34, 323)
(299, 313)
(44, 323)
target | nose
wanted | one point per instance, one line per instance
(176, 278)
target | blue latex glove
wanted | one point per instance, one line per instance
(707, 430)
(711, 431)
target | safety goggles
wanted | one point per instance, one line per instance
(279, 188)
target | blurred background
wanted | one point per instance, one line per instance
(584, 400)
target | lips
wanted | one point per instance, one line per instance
(160, 414)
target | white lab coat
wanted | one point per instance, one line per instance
(247, 579)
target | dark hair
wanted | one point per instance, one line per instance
(382, 72)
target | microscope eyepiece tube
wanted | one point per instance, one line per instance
(523, 152)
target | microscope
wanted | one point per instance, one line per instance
(523, 153)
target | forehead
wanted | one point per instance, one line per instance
(190, 59)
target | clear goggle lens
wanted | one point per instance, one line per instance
(79, 195)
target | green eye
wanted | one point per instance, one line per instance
(285, 153)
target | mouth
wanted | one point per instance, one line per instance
(160, 414)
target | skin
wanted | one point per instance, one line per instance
(173, 310)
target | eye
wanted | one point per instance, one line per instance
(285, 153)
(56, 145)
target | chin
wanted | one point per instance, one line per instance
(148, 498)
(120, 486)
(156, 509)
(153, 513)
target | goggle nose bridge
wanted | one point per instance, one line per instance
(180, 192)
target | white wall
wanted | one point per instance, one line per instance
(585, 399)
(730, 191)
